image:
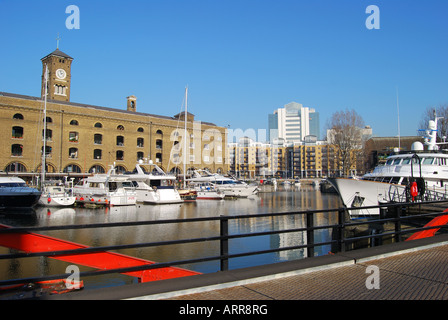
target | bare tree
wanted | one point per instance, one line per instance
(346, 131)
(442, 124)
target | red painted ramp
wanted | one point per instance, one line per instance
(33, 242)
(437, 221)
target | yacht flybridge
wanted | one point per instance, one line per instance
(419, 174)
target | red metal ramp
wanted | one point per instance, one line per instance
(33, 242)
(437, 221)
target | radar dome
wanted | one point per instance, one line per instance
(417, 146)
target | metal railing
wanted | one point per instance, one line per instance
(397, 216)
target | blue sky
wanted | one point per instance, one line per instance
(240, 59)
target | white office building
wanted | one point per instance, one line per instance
(293, 123)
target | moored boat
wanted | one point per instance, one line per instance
(14, 193)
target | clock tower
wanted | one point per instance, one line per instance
(59, 75)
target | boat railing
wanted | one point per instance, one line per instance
(400, 194)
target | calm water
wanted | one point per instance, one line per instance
(280, 201)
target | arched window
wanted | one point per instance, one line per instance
(120, 127)
(97, 169)
(74, 123)
(18, 116)
(72, 168)
(98, 125)
(48, 120)
(15, 167)
(140, 129)
(120, 169)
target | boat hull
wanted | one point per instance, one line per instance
(57, 201)
(363, 193)
(19, 200)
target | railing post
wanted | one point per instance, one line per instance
(224, 242)
(341, 230)
(398, 224)
(310, 234)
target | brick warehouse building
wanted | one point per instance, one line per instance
(84, 138)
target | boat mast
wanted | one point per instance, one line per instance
(45, 129)
(185, 133)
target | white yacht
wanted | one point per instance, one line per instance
(207, 191)
(155, 187)
(109, 189)
(230, 187)
(424, 170)
(57, 195)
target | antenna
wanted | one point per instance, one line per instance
(398, 112)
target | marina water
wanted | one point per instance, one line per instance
(295, 199)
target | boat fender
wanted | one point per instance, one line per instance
(48, 199)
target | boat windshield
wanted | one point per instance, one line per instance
(13, 185)
(428, 160)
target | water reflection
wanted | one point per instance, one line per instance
(281, 201)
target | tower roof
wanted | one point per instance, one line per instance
(58, 53)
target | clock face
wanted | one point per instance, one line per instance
(61, 74)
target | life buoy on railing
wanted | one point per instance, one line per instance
(414, 190)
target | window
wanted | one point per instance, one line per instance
(97, 169)
(98, 138)
(17, 132)
(98, 125)
(59, 90)
(73, 153)
(15, 167)
(140, 142)
(16, 150)
(158, 157)
(120, 127)
(140, 129)
(73, 136)
(48, 134)
(18, 116)
(97, 154)
(160, 132)
(72, 168)
(140, 155)
(120, 141)
(159, 144)
(119, 155)
(74, 123)
(48, 150)
(48, 120)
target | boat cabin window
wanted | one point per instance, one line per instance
(428, 161)
(406, 161)
(112, 186)
(12, 185)
(389, 162)
(397, 161)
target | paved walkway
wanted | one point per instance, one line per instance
(412, 270)
(420, 275)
